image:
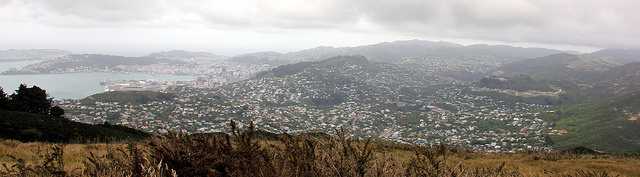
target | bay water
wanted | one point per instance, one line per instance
(71, 85)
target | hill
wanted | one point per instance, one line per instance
(532, 52)
(609, 125)
(396, 52)
(389, 52)
(616, 81)
(524, 89)
(591, 78)
(186, 55)
(291, 69)
(31, 54)
(70, 63)
(128, 97)
(336, 80)
(35, 127)
(559, 67)
(270, 58)
(623, 56)
(628, 72)
(518, 83)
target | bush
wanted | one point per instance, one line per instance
(241, 154)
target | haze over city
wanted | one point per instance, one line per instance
(136, 28)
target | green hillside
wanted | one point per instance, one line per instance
(609, 125)
(45, 128)
(128, 97)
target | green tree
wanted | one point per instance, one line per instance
(33, 100)
(57, 111)
(4, 100)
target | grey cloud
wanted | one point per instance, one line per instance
(266, 13)
(578, 22)
(593, 23)
(106, 10)
(252, 13)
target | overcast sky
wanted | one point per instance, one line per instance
(230, 27)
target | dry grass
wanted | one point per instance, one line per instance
(32, 153)
(176, 154)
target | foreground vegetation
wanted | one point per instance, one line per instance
(29, 115)
(29, 127)
(242, 154)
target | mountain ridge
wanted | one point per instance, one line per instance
(383, 51)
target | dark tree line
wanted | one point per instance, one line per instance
(33, 100)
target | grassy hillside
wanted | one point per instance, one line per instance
(35, 127)
(609, 125)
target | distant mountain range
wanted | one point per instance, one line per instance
(390, 52)
(415, 51)
(395, 52)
